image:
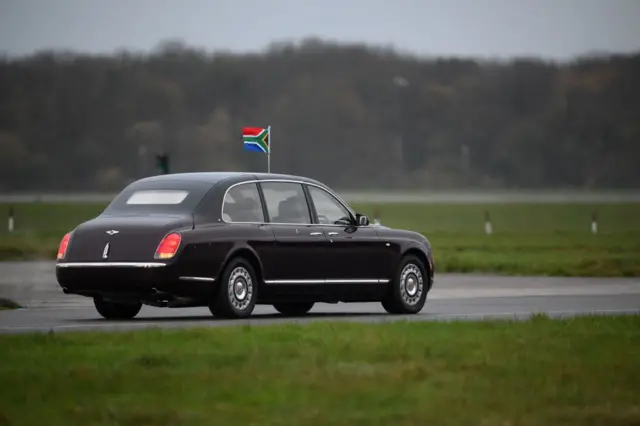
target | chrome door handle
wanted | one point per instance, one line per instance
(315, 233)
(333, 233)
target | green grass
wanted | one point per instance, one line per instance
(40, 226)
(581, 371)
(540, 239)
(527, 239)
(6, 304)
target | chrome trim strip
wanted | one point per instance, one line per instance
(331, 281)
(110, 265)
(207, 279)
(301, 225)
(340, 200)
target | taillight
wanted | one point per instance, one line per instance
(168, 246)
(62, 250)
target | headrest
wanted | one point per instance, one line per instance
(291, 207)
(246, 203)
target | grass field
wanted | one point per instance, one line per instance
(544, 372)
(6, 304)
(541, 239)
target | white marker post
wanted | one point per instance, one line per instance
(10, 220)
(269, 149)
(488, 229)
(376, 215)
(594, 222)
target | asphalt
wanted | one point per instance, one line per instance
(83, 318)
(455, 296)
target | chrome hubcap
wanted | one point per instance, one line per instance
(240, 288)
(411, 284)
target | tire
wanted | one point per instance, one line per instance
(293, 308)
(403, 297)
(115, 310)
(237, 291)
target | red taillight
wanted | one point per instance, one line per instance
(62, 250)
(168, 246)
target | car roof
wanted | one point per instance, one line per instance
(216, 177)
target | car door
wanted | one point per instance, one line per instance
(296, 257)
(355, 253)
(244, 224)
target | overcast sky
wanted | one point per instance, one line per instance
(490, 28)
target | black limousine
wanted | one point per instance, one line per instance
(230, 241)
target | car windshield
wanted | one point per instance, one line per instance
(158, 198)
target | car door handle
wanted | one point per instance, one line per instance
(315, 233)
(333, 233)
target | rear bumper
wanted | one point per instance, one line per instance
(140, 280)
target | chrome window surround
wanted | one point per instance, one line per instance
(226, 192)
(300, 182)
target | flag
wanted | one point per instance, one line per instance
(256, 139)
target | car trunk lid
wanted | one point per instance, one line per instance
(130, 238)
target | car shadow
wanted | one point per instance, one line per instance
(210, 318)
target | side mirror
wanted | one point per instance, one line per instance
(363, 220)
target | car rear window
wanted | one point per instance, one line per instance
(167, 197)
(158, 197)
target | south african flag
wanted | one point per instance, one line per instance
(256, 139)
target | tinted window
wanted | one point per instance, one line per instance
(162, 196)
(242, 204)
(167, 197)
(328, 208)
(286, 202)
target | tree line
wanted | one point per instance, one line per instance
(353, 116)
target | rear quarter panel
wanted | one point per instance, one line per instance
(208, 247)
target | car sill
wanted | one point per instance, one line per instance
(110, 265)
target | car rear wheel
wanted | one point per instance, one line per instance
(408, 292)
(293, 308)
(116, 310)
(237, 292)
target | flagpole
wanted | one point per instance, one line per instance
(269, 150)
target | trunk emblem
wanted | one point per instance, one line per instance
(105, 252)
(112, 232)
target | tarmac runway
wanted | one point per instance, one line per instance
(454, 296)
(84, 318)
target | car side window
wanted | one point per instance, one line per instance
(242, 204)
(328, 208)
(286, 202)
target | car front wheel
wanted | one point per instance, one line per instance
(237, 292)
(408, 292)
(116, 310)
(293, 308)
